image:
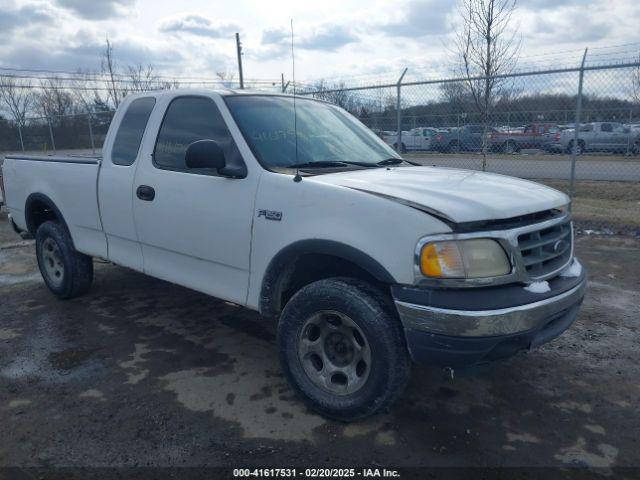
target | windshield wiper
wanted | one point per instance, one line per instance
(390, 161)
(328, 164)
(394, 161)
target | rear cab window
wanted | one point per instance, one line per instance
(130, 132)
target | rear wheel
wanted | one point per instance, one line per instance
(510, 147)
(342, 348)
(579, 148)
(65, 271)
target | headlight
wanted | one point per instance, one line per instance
(475, 258)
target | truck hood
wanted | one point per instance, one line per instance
(456, 195)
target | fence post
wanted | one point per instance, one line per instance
(399, 120)
(20, 136)
(93, 145)
(53, 143)
(574, 150)
(629, 150)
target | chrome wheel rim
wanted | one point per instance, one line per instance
(334, 352)
(52, 262)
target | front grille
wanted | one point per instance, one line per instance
(547, 250)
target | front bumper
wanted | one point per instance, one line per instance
(495, 322)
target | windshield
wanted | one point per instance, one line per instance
(325, 133)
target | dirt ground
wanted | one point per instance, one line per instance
(141, 372)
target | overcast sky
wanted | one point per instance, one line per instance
(334, 38)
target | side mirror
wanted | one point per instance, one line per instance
(205, 154)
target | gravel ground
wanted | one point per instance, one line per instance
(141, 372)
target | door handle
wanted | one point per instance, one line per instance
(146, 193)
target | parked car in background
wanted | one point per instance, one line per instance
(597, 137)
(418, 138)
(465, 138)
(534, 135)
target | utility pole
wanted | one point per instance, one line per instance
(239, 48)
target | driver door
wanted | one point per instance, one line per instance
(194, 225)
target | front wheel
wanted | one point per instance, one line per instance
(67, 272)
(403, 147)
(342, 348)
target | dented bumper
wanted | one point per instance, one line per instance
(462, 327)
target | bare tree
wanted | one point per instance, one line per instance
(54, 100)
(487, 49)
(89, 98)
(456, 94)
(109, 69)
(18, 98)
(142, 79)
(226, 77)
(337, 94)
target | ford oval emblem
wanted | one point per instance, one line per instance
(560, 246)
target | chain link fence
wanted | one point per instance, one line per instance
(528, 131)
(80, 133)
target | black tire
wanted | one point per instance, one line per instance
(453, 147)
(374, 315)
(72, 275)
(403, 147)
(510, 147)
(579, 150)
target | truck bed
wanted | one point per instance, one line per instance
(88, 159)
(69, 181)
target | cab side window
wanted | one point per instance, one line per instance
(187, 120)
(129, 135)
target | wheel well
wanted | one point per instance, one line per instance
(289, 274)
(40, 209)
(312, 267)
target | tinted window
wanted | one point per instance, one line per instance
(187, 120)
(129, 136)
(606, 127)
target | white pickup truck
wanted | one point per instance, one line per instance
(301, 213)
(414, 140)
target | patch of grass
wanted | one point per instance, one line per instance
(599, 204)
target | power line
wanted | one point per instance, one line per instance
(123, 77)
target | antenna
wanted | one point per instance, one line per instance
(297, 177)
